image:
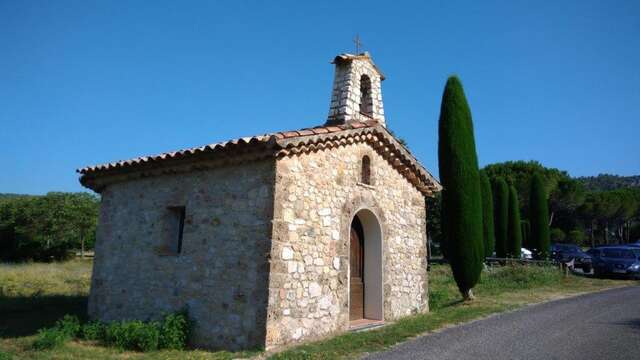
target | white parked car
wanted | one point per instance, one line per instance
(526, 254)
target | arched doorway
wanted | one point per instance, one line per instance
(365, 267)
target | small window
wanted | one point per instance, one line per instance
(366, 170)
(175, 228)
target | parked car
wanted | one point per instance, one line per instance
(564, 253)
(526, 254)
(616, 260)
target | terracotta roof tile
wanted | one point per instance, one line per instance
(290, 142)
(222, 145)
(306, 132)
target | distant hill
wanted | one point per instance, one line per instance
(9, 196)
(605, 182)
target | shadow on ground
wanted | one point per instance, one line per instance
(23, 316)
(452, 303)
(633, 324)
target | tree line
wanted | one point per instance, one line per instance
(604, 182)
(580, 211)
(576, 215)
(48, 227)
(510, 205)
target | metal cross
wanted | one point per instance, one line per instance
(356, 41)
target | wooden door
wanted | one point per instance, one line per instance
(356, 293)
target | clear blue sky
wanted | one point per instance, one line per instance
(86, 82)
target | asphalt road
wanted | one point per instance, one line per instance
(604, 325)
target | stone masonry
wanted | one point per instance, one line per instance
(316, 197)
(347, 91)
(222, 272)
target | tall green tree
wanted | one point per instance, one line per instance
(518, 174)
(567, 197)
(589, 214)
(488, 230)
(461, 194)
(607, 207)
(539, 218)
(44, 228)
(501, 215)
(526, 234)
(514, 233)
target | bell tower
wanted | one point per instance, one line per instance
(356, 94)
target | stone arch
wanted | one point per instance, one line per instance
(373, 268)
(374, 220)
(366, 98)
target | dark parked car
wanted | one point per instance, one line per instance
(616, 260)
(566, 252)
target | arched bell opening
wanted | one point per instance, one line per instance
(366, 99)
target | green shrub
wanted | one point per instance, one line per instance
(5, 355)
(69, 325)
(133, 335)
(170, 333)
(94, 330)
(174, 331)
(50, 338)
(65, 329)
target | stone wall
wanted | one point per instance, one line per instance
(221, 275)
(346, 93)
(316, 197)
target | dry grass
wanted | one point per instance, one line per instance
(71, 278)
(33, 296)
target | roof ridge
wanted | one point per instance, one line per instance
(263, 138)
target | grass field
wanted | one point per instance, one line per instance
(33, 296)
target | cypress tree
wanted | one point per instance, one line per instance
(488, 232)
(514, 242)
(501, 215)
(461, 194)
(526, 238)
(539, 214)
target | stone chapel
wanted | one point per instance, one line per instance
(272, 239)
